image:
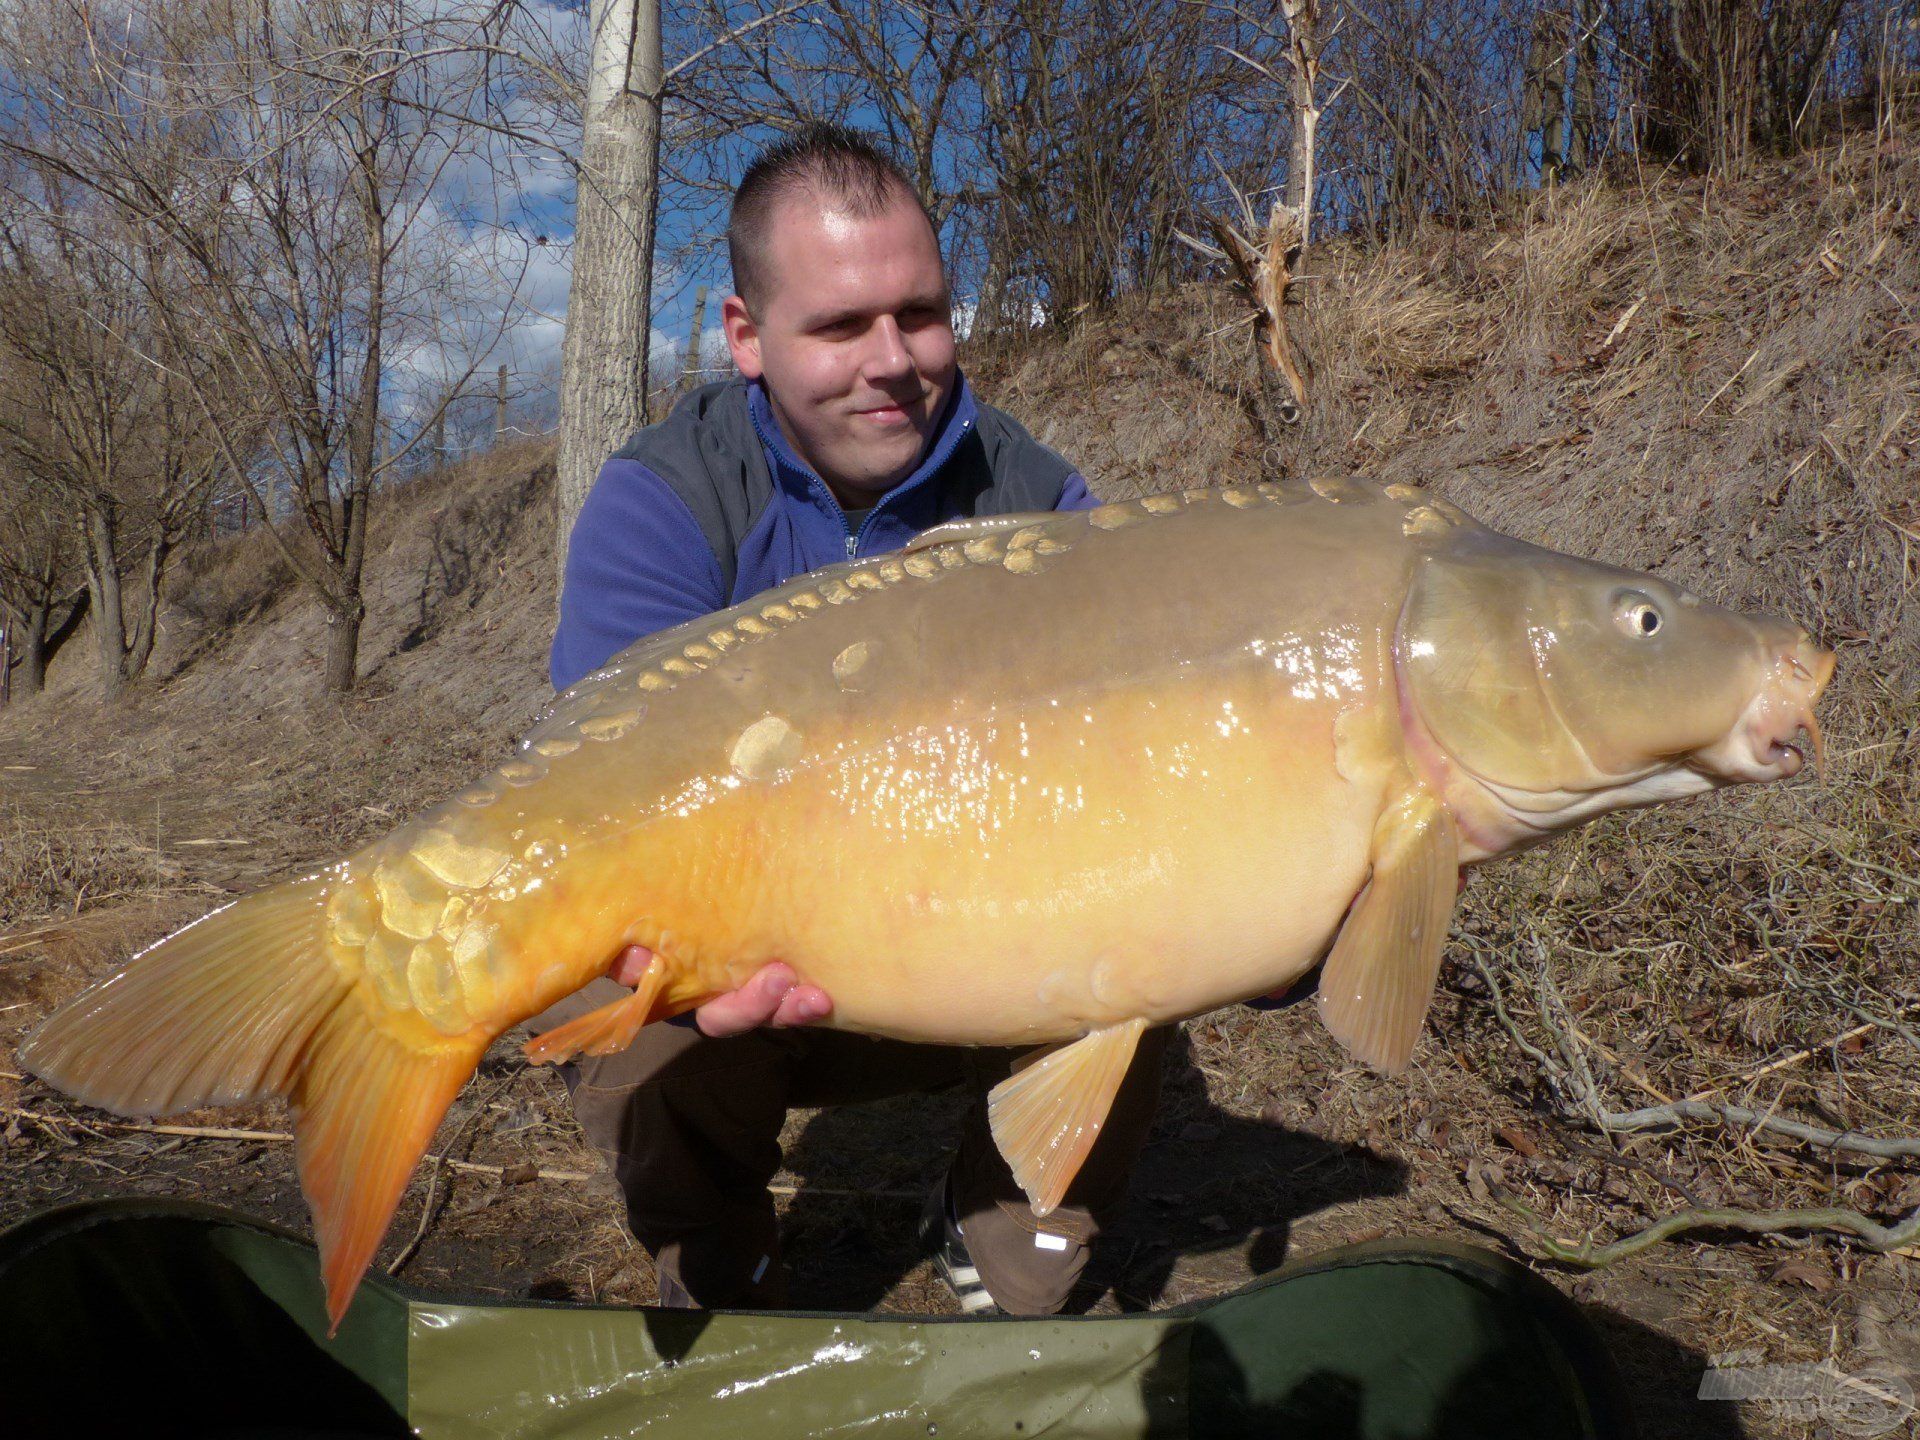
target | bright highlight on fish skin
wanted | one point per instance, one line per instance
(1037, 780)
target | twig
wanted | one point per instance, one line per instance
(198, 1132)
(23, 939)
(1782, 1062)
(1580, 1093)
(1653, 1117)
(1877, 1237)
(1723, 389)
(468, 1167)
(426, 1214)
(440, 1165)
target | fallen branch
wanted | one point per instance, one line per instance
(1877, 1237)
(197, 1132)
(1655, 1117)
(1570, 1078)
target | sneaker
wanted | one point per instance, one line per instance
(940, 1237)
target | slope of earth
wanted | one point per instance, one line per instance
(1714, 381)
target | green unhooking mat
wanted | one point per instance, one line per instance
(172, 1319)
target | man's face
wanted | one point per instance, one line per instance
(853, 338)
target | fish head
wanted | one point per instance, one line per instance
(1557, 688)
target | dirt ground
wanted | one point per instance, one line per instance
(1717, 383)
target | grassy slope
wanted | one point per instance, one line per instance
(1718, 383)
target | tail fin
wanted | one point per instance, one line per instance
(245, 1004)
(364, 1110)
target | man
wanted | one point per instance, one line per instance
(850, 431)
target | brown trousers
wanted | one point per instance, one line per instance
(692, 1128)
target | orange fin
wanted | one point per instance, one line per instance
(1380, 973)
(603, 1031)
(1046, 1116)
(364, 1109)
(244, 1004)
(215, 1014)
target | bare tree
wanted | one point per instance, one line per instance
(39, 608)
(1263, 261)
(1722, 76)
(86, 411)
(282, 165)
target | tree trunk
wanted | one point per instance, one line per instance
(33, 655)
(343, 645)
(603, 367)
(1586, 109)
(1303, 54)
(348, 609)
(103, 589)
(147, 609)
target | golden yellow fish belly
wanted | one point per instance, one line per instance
(1018, 876)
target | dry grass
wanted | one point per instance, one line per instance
(226, 584)
(50, 869)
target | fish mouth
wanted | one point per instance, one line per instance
(1778, 732)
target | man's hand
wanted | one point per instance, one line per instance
(770, 998)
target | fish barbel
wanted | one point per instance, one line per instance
(1045, 779)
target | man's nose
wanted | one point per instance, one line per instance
(887, 356)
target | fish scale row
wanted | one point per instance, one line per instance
(1023, 551)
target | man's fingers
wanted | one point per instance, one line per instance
(751, 1006)
(771, 998)
(803, 1005)
(631, 965)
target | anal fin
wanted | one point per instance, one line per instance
(1046, 1116)
(1380, 974)
(603, 1031)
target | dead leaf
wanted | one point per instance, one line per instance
(1517, 1140)
(1477, 1183)
(1817, 1278)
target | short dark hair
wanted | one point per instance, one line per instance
(846, 166)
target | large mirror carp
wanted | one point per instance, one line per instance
(1044, 779)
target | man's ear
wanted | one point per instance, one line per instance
(743, 336)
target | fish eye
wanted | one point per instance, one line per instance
(1638, 615)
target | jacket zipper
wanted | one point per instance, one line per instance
(936, 460)
(819, 486)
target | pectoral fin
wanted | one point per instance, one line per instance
(1381, 971)
(1046, 1116)
(603, 1031)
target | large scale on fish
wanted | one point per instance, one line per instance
(1044, 779)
